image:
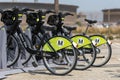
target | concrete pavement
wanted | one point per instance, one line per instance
(111, 71)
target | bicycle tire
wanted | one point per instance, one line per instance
(86, 52)
(28, 56)
(106, 59)
(17, 53)
(58, 66)
(83, 64)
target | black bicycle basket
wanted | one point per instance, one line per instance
(52, 20)
(32, 19)
(8, 17)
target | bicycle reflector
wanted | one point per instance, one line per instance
(109, 41)
(43, 17)
(94, 43)
(75, 44)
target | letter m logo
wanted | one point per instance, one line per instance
(60, 43)
(80, 41)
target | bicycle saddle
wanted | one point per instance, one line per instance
(91, 21)
(49, 28)
(70, 28)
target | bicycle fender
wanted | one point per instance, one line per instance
(99, 40)
(81, 41)
(57, 43)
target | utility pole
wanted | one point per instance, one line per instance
(109, 17)
(35, 1)
(56, 4)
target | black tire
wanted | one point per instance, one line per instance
(86, 59)
(26, 57)
(103, 55)
(13, 51)
(63, 66)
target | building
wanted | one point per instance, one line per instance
(81, 19)
(45, 6)
(111, 15)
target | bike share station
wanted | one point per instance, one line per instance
(18, 67)
(16, 46)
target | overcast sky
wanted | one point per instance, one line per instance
(84, 5)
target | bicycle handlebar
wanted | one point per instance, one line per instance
(27, 9)
(67, 14)
(64, 14)
(45, 12)
(23, 10)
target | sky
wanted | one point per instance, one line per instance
(84, 5)
(92, 8)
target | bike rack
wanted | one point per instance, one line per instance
(3, 57)
(18, 67)
(3, 53)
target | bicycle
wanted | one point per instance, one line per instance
(87, 53)
(103, 46)
(35, 28)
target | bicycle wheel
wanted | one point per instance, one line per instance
(65, 60)
(86, 52)
(86, 58)
(12, 50)
(25, 56)
(104, 53)
(103, 49)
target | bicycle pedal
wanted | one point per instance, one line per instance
(34, 64)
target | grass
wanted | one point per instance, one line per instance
(92, 30)
(109, 32)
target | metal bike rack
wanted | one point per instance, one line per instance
(3, 51)
(3, 54)
(18, 67)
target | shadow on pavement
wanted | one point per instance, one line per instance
(46, 73)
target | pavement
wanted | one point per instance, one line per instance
(110, 71)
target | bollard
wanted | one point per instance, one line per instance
(3, 50)
(3, 54)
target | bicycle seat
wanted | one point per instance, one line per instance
(91, 21)
(49, 28)
(70, 28)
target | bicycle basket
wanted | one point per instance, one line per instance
(32, 19)
(53, 20)
(8, 17)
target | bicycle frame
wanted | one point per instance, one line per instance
(30, 50)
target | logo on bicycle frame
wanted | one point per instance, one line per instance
(97, 40)
(60, 42)
(80, 41)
